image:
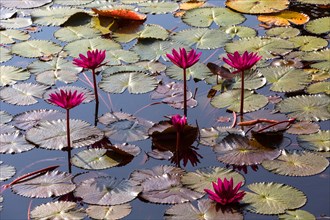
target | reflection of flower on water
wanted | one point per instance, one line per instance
(243, 168)
(187, 154)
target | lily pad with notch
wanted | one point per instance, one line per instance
(9, 75)
(304, 127)
(35, 48)
(319, 87)
(297, 215)
(72, 33)
(321, 59)
(9, 36)
(109, 212)
(16, 22)
(309, 43)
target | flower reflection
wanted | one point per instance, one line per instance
(187, 154)
(243, 168)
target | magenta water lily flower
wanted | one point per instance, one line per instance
(66, 99)
(241, 63)
(225, 193)
(179, 122)
(93, 60)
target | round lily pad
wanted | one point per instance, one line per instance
(24, 3)
(5, 54)
(72, 33)
(284, 18)
(257, 6)
(197, 71)
(157, 171)
(9, 36)
(315, 142)
(309, 43)
(118, 57)
(109, 212)
(297, 215)
(5, 128)
(319, 87)
(321, 59)
(7, 171)
(5, 117)
(72, 2)
(18, 22)
(239, 31)
(283, 32)
(318, 26)
(14, 143)
(35, 48)
(303, 127)
(214, 135)
(10, 75)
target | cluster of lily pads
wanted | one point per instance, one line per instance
(294, 68)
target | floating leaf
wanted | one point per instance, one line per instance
(318, 26)
(257, 6)
(306, 108)
(153, 31)
(152, 66)
(10, 75)
(197, 71)
(231, 100)
(158, 7)
(58, 210)
(22, 93)
(29, 119)
(283, 32)
(15, 22)
(134, 82)
(109, 212)
(125, 127)
(118, 57)
(204, 38)
(7, 171)
(5, 128)
(96, 159)
(317, 2)
(252, 80)
(286, 79)
(107, 190)
(202, 178)
(157, 171)
(53, 16)
(72, 2)
(24, 3)
(71, 33)
(309, 43)
(5, 117)
(204, 17)
(213, 136)
(5, 54)
(303, 127)
(297, 215)
(319, 87)
(239, 150)
(9, 36)
(284, 18)
(120, 13)
(240, 31)
(297, 163)
(35, 48)
(88, 94)
(52, 134)
(321, 57)
(207, 209)
(6, 13)
(315, 142)
(54, 183)
(74, 48)
(268, 48)
(273, 198)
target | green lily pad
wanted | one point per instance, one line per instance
(319, 87)
(273, 198)
(268, 48)
(197, 71)
(252, 80)
(257, 6)
(9, 36)
(322, 59)
(77, 47)
(297, 163)
(15, 23)
(53, 16)
(7, 171)
(283, 32)
(134, 82)
(54, 183)
(204, 17)
(239, 150)
(58, 210)
(158, 7)
(306, 108)
(297, 215)
(286, 79)
(152, 66)
(107, 190)
(121, 69)
(316, 142)
(22, 93)
(231, 100)
(316, 2)
(318, 26)
(202, 178)
(303, 127)
(72, 2)
(213, 136)
(202, 38)
(239, 31)
(117, 57)
(5, 54)
(14, 143)
(52, 134)
(72, 33)
(5, 117)
(35, 48)
(309, 43)
(9, 75)
(24, 3)
(109, 212)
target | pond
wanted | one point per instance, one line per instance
(125, 149)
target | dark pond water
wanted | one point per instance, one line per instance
(316, 188)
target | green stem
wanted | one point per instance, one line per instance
(242, 94)
(68, 138)
(184, 92)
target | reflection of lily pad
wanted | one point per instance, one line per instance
(257, 6)
(239, 150)
(297, 215)
(109, 212)
(58, 210)
(202, 178)
(306, 108)
(317, 142)
(231, 100)
(297, 163)
(273, 198)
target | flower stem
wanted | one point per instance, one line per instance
(68, 138)
(96, 98)
(242, 94)
(178, 137)
(184, 92)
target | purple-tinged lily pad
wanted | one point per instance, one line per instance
(14, 143)
(158, 171)
(5, 117)
(58, 210)
(304, 127)
(5, 128)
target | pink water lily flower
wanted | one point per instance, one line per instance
(93, 60)
(179, 122)
(225, 193)
(182, 59)
(66, 99)
(241, 63)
